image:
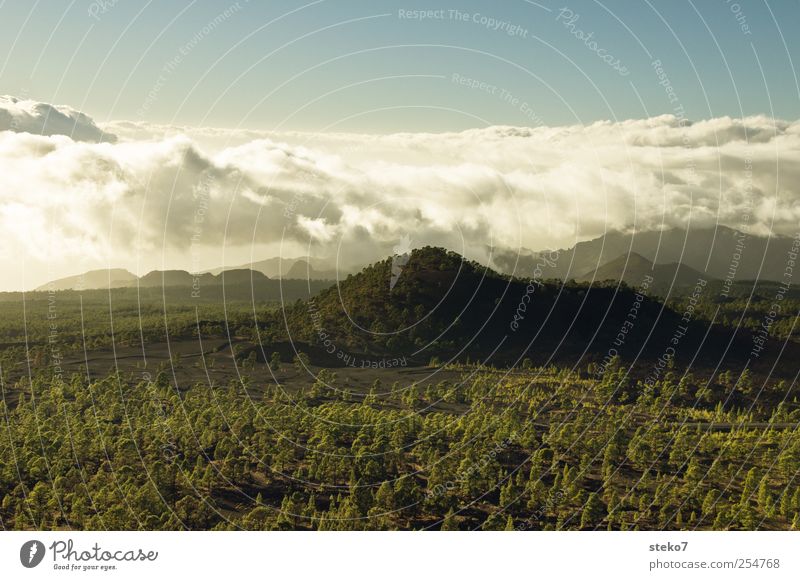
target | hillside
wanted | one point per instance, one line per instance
(118, 278)
(447, 307)
(633, 268)
(443, 305)
(305, 268)
(92, 280)
(176, 288)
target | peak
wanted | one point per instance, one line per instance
(635, 258)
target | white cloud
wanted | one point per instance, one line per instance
(162, 191)
(27, 116)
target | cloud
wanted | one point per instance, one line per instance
(164, 191)
(26, 116)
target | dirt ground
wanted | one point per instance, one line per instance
(189, 361)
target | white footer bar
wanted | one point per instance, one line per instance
(389, 555)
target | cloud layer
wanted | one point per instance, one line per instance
(207, 194)
(27, 116)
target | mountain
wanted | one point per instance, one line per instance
(633, 268)
(444, 305)
(241, 276)
(173, 278)
(180, 286)
(435, 303)
(299, 269)
(92, 280)
(184, 278)
(720, 253)
(304, 268)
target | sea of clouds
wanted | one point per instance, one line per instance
(124, 192)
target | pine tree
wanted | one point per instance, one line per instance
(384, 497)
(449, 522)
(593, 512)
(275, 362)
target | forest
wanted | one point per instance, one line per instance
(539, 448)
(128, 413)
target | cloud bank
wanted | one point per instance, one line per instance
(27, 116)
(163, 191)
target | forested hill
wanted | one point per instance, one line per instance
(434, 303)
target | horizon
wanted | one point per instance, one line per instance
(523, 254)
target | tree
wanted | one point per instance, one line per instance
(275, 361)
(593, 512)
(449, 522)
(301, 362)
(493, 523)
(384, 497)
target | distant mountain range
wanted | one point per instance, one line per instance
(304, 268)
(119, 278)
(272, 269)
(675, 258)
(714, 253)
(180, 286)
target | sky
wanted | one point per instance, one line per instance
(372, 66)
(192, 135)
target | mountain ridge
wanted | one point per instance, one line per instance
(633, 268)
(714, 253)
(721, 252)
(121, 278)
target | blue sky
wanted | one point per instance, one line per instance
(368, 69)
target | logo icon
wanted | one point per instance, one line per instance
(400, 257)
(31, 553)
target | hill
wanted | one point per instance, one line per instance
(444, 306)
(118, 278)
(182, 287)
(304, 268)
(633, 268)
(171, 278)
(92, 280)
(183, 278)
